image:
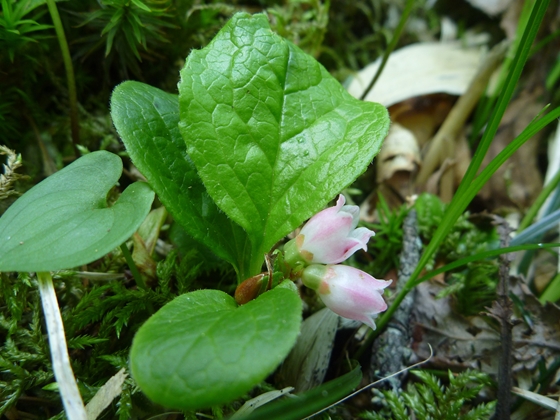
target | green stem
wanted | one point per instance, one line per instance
(482, 256)
(133, 269)
(71, 399)
(518, 63)
(72, 95)
(392, 45)
(487, 105)
(552, 291)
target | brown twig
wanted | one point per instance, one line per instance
(501, 310)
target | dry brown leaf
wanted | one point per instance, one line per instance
(423, 114)
(442, 146)
(433, 183)
(369, 205)
(105, 395)
(546, 267)
(462, 158)
(419, 69)
(397, 161)
(445, 180)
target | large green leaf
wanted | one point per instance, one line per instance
(64, 221)
(201, 349)
(272, 134)
(147, 121)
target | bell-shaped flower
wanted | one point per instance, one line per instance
(347, 291)
(329, 237)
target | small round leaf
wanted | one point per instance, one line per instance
(202, 350)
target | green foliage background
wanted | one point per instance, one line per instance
(145, 40)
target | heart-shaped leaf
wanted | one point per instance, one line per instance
(201, 349)
(64, 221)
(147, 120)
(272, 134)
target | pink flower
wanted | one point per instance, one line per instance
(347, 291)
(330, 236)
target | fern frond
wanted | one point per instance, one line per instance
(430, 400)
(83, 341)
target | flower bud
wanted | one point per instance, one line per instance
(329, 237)
(347, 291)
(250, 288)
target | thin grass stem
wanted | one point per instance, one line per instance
(482, 256)
(392, 45)
(71, 81)
(133, 269)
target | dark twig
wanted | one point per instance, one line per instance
(391, 350)
(501, 310)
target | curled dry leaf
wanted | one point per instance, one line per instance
(436, 182)
(400, 152)
(306, 366)
(462, 157)
(444, 181)
(397, 161)
(105, 395)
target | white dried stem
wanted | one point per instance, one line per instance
(71, 399)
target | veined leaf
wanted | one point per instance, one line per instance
(274, 137)
(147, 120)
